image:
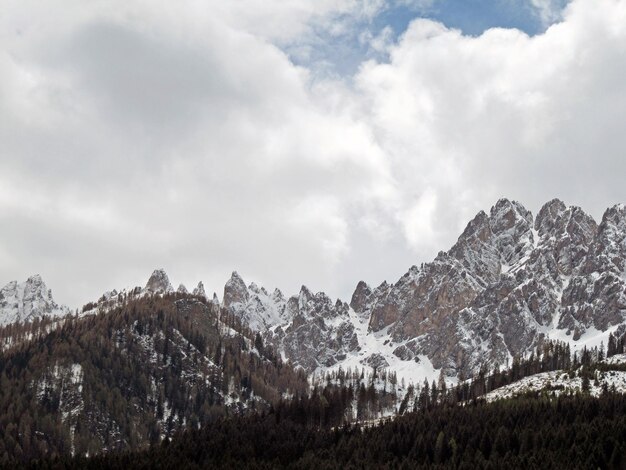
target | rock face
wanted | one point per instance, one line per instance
(508, 283)
(318, 332)
(307, 328)
(26, 301)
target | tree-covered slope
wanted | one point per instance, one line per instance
(129, 377)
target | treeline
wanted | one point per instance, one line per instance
(132, 376)
(349, 396)
(527, 432)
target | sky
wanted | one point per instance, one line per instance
(316, 142)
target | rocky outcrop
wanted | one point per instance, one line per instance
(26, 301)
(158, 283)
(199, 290)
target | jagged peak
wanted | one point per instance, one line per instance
(479, 226)
(215, 300)
(199, 290)
(360, 297)
(615, 214)
(11, 285)
(182, 289)
(159, 282)
(35, 279)
(505, 214)
(236, 281)
(27, 300)
(548, 215)
(277, 295)
(235, 290)
(556, 202)
(253, 287)
(305, 292)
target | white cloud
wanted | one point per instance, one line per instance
(549, 11)
(138, 135)
(502, 114)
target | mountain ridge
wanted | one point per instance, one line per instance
(509, 282)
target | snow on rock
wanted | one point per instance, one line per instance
(26, 301)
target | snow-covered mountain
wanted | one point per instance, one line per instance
(510, 281)
(28, 300)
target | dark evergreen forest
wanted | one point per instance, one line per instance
(530, 432)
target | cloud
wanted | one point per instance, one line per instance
(474, 118)
(193, 144)
(549, 11)
(143, 134)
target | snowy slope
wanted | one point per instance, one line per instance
(560, 381)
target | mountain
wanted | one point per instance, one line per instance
(27, 301)
(510, 282)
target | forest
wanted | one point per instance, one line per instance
(533, 431)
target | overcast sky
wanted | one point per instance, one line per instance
(313, 142)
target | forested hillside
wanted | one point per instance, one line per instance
(131, 376)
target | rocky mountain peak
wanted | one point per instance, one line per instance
(21, 302)
(253, 287)
(609, 248)
(182, 289)
(506, 214)
(305, 294)
(360, 297)
(615, 215)
(35, 279)
(277, 295)
(159, 283)
(479, 228)
(548, 215)
(199, 290)
(235, 290)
